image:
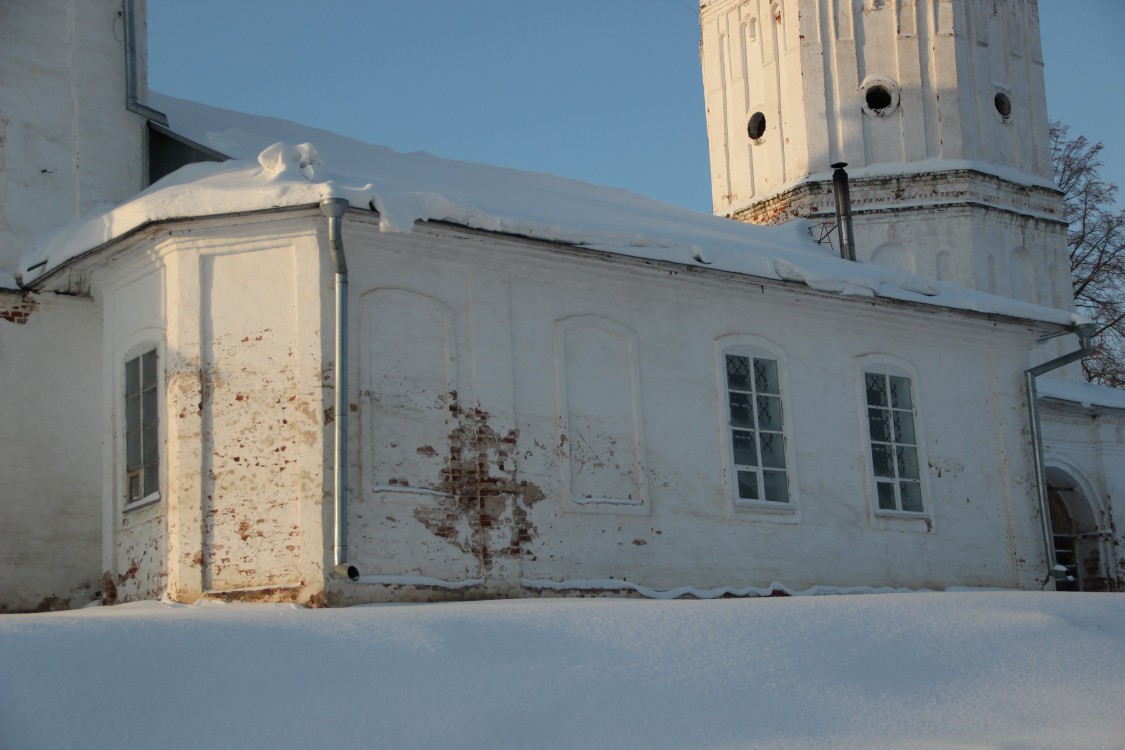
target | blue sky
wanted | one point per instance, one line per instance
(607, 91)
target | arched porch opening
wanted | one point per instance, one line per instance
(1080, 542)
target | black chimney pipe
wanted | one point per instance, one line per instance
(843, 211)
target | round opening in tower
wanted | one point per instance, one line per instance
(879, 98)
(756, 128)
(1003, 104)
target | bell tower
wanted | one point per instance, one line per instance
(938, 108)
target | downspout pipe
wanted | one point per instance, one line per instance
(844, 229)
(334, 209)
(1085, 333)
(132, 103)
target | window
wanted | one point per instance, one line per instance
(894, 444)
(755, 423)
(142, 458)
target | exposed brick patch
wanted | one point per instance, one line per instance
(480, 481)
(17, 309)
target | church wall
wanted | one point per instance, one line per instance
(67, 143)
(1087, 444)
(134, 532)
(51, 433)
(235, 319)
(570, 428)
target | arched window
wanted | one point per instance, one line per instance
(140, 426)
(755, 425)
(893, 440)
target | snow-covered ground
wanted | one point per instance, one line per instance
(970, 669)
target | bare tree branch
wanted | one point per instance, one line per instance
(1096, 241)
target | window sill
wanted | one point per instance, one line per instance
(144, 502)
(764, 509)
(902, 521)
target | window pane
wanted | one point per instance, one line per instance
(881, 461)
(133, 451)
(911, 496)
(148, 407)
(152, 476)
(773, 449)
(900, 393)
(769, 413)
(748, 485)
(738, 372)
(886, 496)
(133, 377)
(744, 453)
(876, 389)
(150, 444)
(133, 492)
(132, 414)
(148, 369)
(904, 427)
(777, 488)
(740, 415)
(765, 376)
(878, 420)
(907, 462)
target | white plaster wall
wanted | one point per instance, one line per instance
(521, 412)
(67, 143)
(502, 508)
(235, 313)
(1088, 444)
(52, 434)
(134, 539)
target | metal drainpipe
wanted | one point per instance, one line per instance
(843, 195)
(131, 102)
(1085, 332)
(334, 209)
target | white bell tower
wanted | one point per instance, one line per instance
(938, 108)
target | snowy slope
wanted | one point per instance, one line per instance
(279, 163)
(925, 670)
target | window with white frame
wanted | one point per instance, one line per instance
(142, 456)
(893, 441)
(755, 426)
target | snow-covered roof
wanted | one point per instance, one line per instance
(1086, 394)
(276, 163)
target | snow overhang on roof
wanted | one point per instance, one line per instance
(275, 164)
(1082, 394)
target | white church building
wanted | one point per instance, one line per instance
(244, 358)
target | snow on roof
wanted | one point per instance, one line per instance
(1086, 394)
(276, 163)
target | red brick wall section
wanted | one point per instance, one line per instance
(17, 308)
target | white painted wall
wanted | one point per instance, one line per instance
(602, 375)
(67, 143)
(1084, 450)
(51, 433)
(523, 413)
(236, 317)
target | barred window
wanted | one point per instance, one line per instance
(142, 457)
(755, 427)
(894, 443)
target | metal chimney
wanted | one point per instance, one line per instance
(843, 211)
